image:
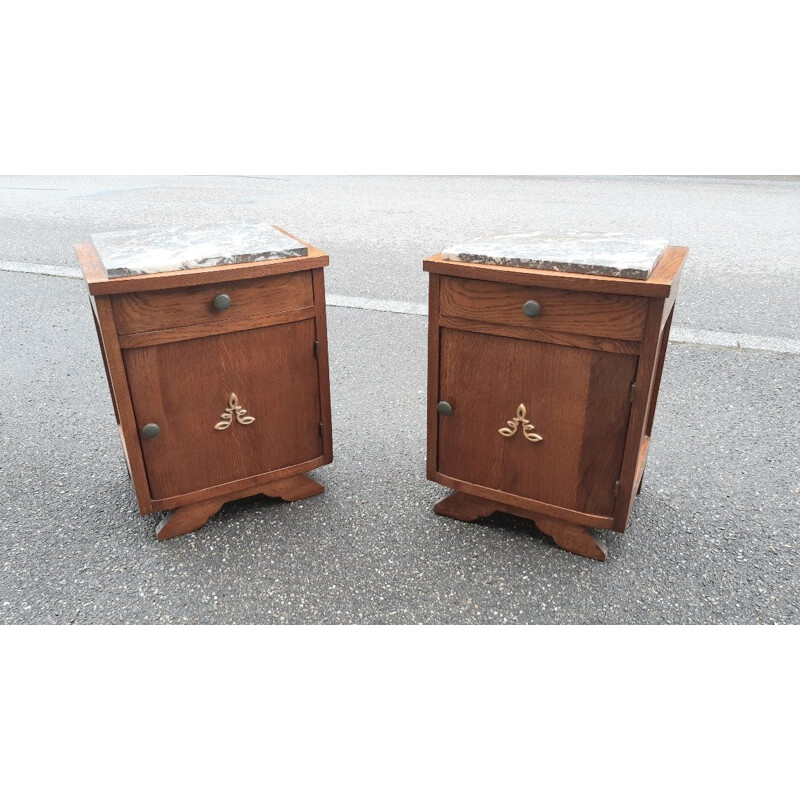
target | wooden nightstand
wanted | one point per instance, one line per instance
(219, 379)
(542, 390)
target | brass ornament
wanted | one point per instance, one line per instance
(233, 408)
(527, 427)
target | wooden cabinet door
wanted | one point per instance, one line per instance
(576, 399)
(187, 388)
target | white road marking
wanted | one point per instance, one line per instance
(40, 269)
(744, 341)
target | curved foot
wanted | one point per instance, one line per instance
(187, 519)
(192, 517)
(567, 535)
(298, 487)
(574, 538)
(465, 507)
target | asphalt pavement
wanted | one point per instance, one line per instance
(713, 536)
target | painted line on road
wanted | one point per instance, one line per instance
(40, 269)
(743, 341)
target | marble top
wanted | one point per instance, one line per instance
(150, 250)
(618, 255)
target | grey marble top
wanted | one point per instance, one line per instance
(152, 250)
(617, 255)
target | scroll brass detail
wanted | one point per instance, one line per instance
(527, 427)
(233, 408)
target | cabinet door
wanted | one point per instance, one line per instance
(576, 400)
(192, 388)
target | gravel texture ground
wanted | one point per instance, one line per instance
(713, 538)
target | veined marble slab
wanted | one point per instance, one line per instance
(152, 250)
(617, 255)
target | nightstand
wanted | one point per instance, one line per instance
(542, 390)
(219, 378)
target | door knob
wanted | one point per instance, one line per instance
(444, 408)
(150, 431)
(222, 301)
(531, 309)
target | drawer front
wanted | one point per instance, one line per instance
(501, 308)
(175, 308)
(537, 420)
(223, 408)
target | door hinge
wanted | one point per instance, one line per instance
(616, 488)
(321, 431)
(632, 393)
(316, 349)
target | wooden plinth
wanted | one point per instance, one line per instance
(567, 535)
(192, 517)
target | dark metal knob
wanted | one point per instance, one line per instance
(531, 309)
(222, 301)
(150, 431)
(444, 408)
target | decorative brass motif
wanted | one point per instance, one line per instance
(527, 427)
(233, 408)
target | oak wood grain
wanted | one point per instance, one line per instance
(214, 328)
(140, 312)
(433, 376)
(184, 387)
(539, 335)
(115, 365)
(323, 375)
(606, 316)
(577, 400)
(245, 486)
(534, 506)
(645, 375)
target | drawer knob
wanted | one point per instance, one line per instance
(222, 301)
(444, 408)
(531, 309)
(150, 431)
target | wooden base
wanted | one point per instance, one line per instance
(192, 517)
(567, 535)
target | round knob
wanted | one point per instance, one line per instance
(531, 309)
(444, 408)
(150, 431)
(222, 301)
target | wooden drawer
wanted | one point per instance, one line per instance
(497, 308)
(175, 308)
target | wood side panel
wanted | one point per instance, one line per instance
(323, 372)
(105, 360)
(605, 424)
(185, 387)
(660, 358)
(657, 285)
(193, 305)
(213, 328)
(433, 375)
(538, 335)
(641, 462)
(127, 418)
(644, 380)
(584, 313)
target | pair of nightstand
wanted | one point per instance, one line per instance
(542, 386)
